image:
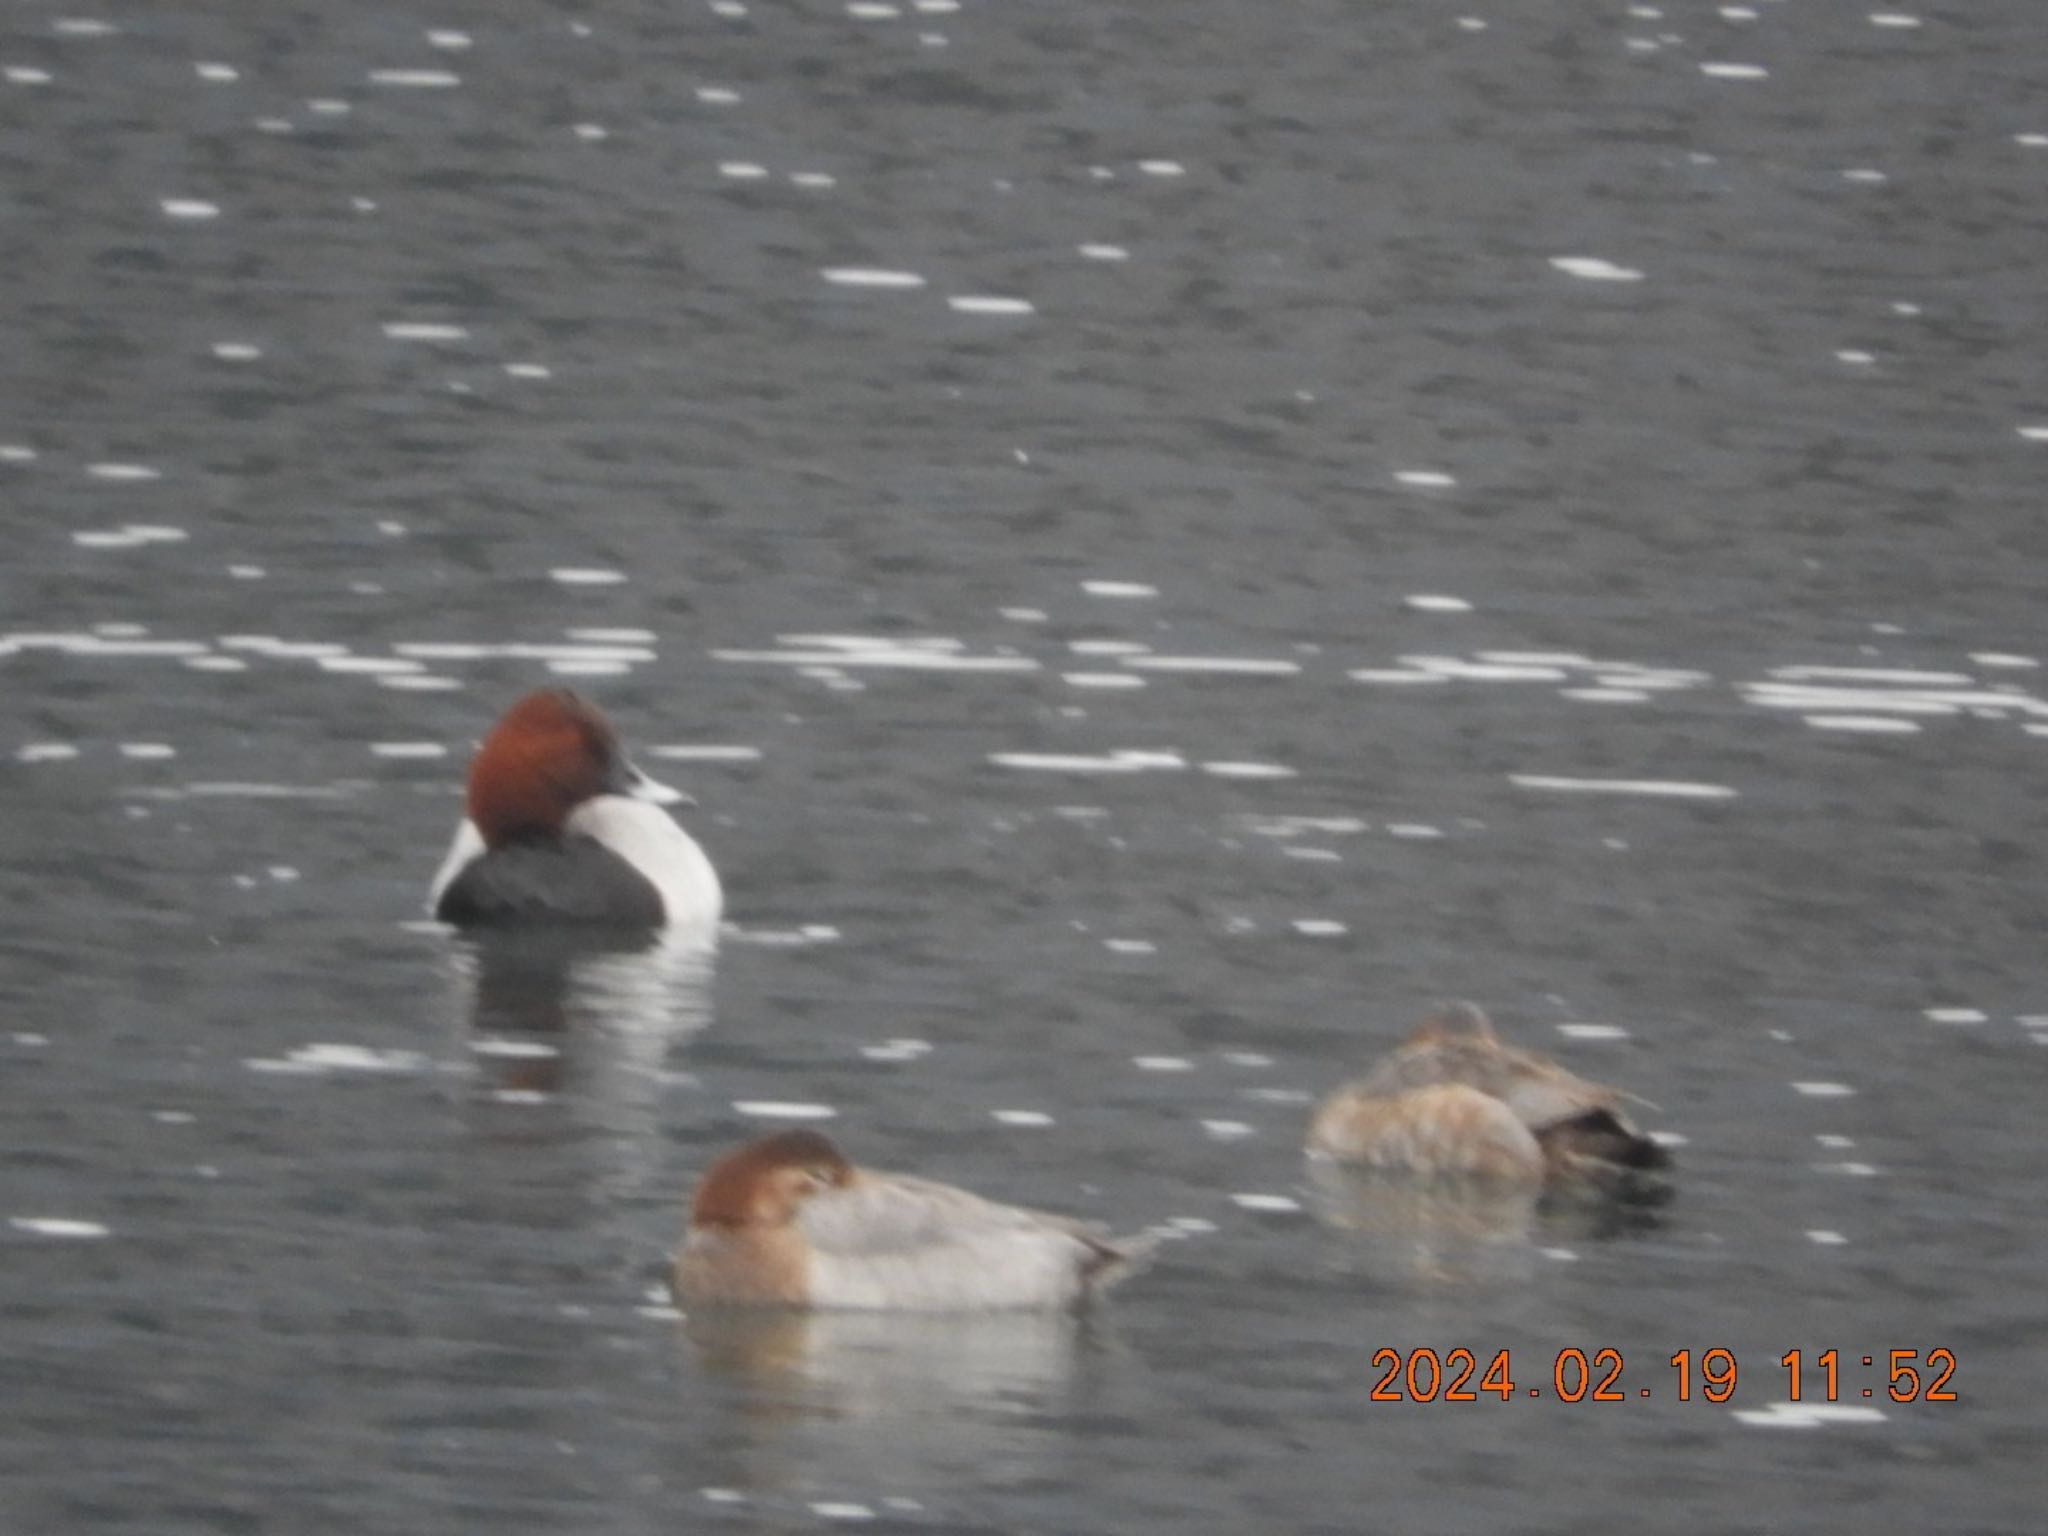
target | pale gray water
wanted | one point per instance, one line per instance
(358, 1273)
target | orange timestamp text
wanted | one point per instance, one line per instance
(1575, 1375)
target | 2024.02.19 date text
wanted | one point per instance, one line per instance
(1423, 1376)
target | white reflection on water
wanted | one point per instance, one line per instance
(1428, 1231)
(849, 1404)
(647, 995)
(885, 1363)
(1435, 1232)
(1431, 1232)
(609, 1010)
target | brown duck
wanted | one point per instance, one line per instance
(1454, 1102)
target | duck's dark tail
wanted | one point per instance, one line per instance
(1602, 1148)
(1113, 1260)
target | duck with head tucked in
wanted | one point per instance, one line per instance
(787, 1221)
(560, 827)
(1454, 1102)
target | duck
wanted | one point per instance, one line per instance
(1455, 1102)
(787, 1221)
(561, 828)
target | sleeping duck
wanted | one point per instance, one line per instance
(1453, 1102)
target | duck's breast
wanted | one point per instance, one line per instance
(468, 846)
(716, 1266)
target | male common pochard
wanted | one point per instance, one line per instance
(787, 1221)
(1454, 1102)
(562, 828)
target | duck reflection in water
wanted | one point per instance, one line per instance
(585, 1020)
(830, 1403)
(1453, 1152)
(888, 1364)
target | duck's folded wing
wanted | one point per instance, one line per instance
(893, 1241)
(897, 1213)
(1582, 1127)
(1545, 1095)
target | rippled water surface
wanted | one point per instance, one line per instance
(1161, 538)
